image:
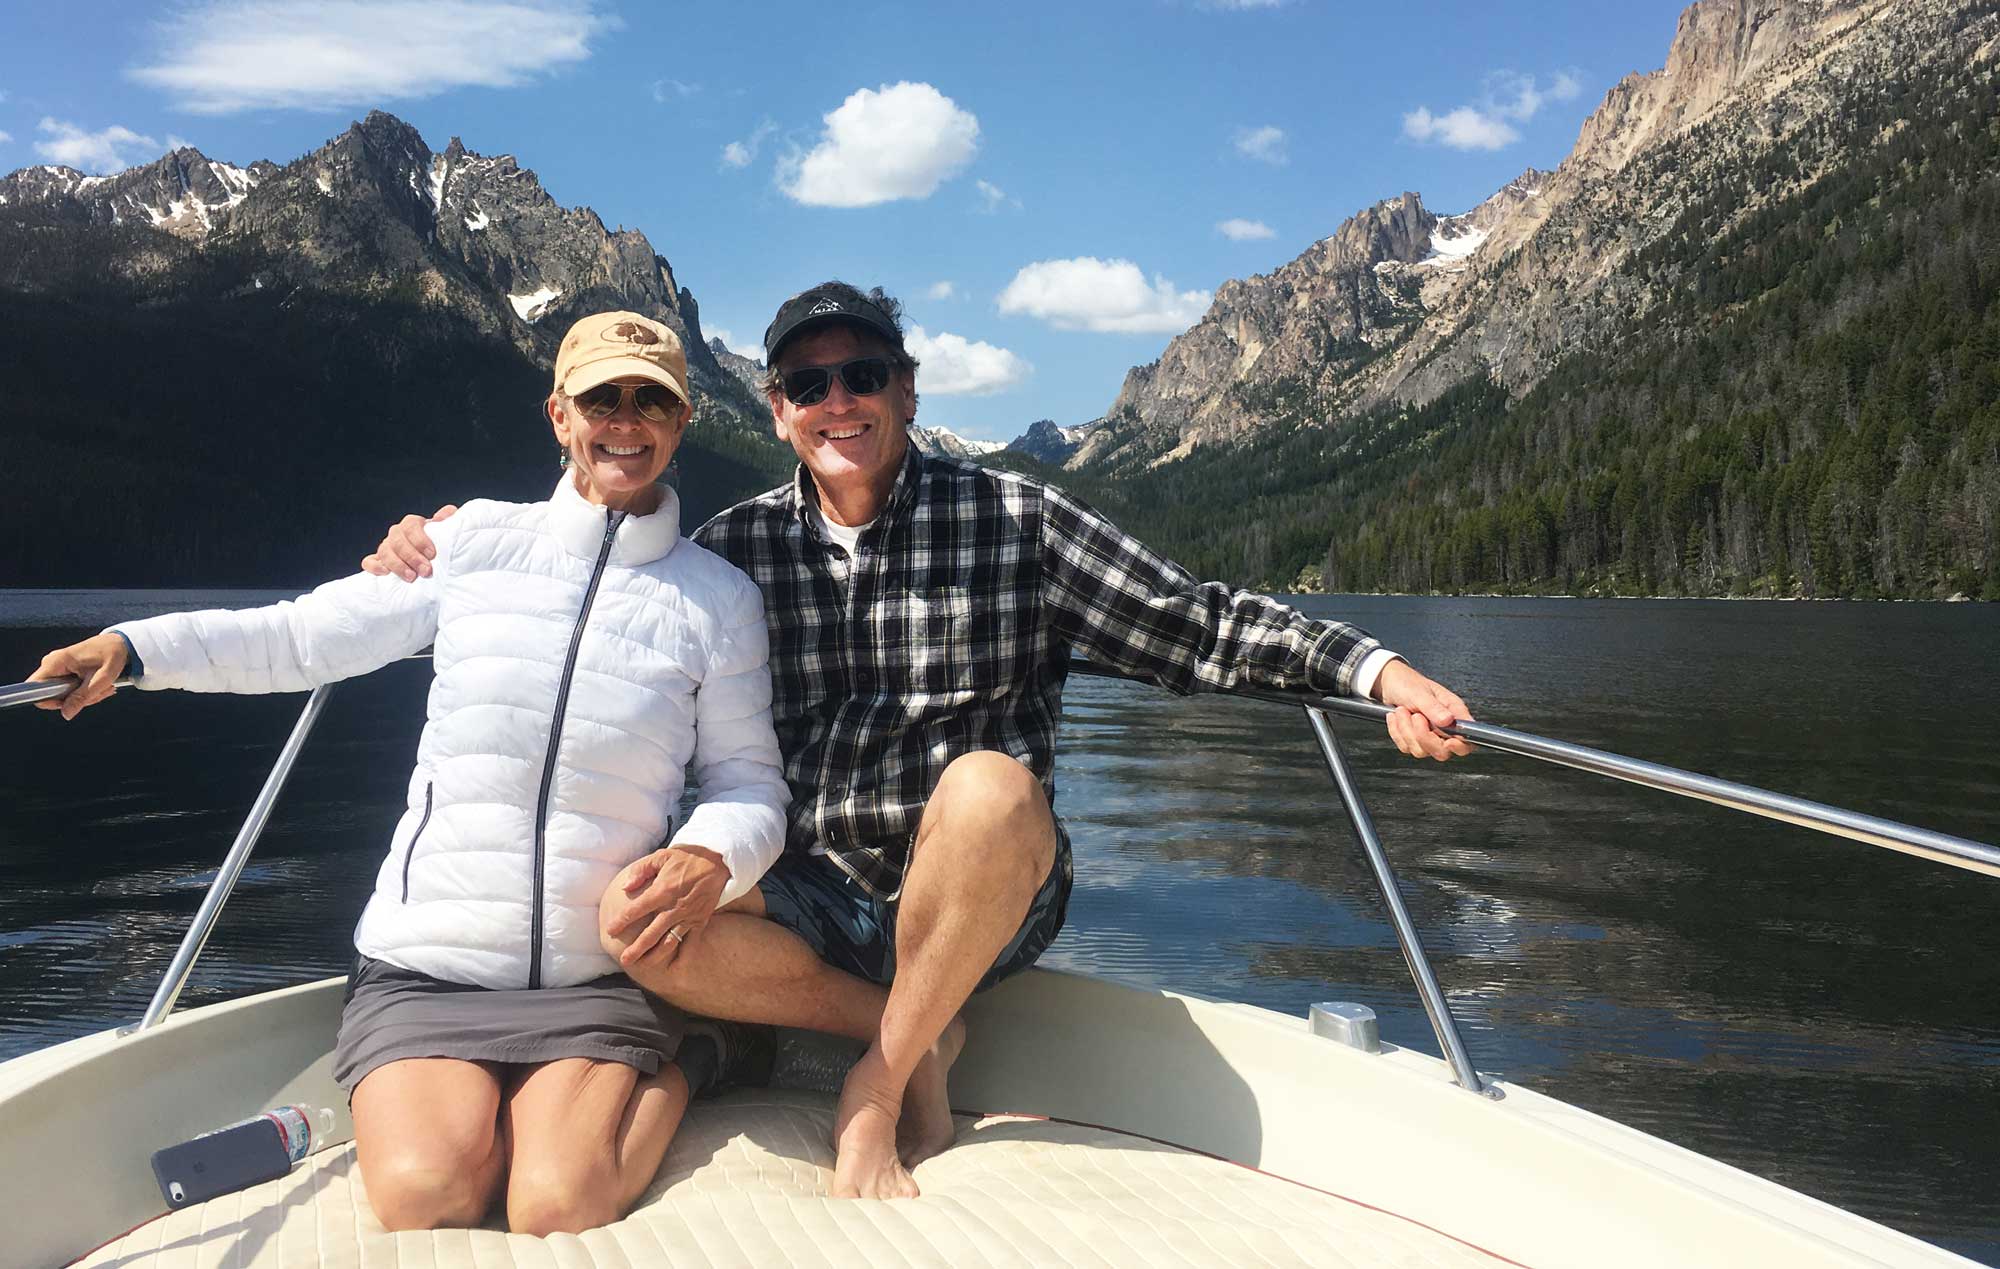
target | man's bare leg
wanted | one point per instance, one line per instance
(984, 846)
(745, 968)
(749, 969)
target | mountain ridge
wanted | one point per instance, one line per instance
(1361, 318)
(399, 307)
(1744, 340)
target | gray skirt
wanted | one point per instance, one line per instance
(394, 1013)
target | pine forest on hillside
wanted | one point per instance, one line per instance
(260, 437)
(1811, 407)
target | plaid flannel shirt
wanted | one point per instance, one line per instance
(950, 631)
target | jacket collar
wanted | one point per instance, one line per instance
(579, 525)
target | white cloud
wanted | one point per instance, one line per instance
(1101, 295)
(1240, 230)
(902, 141)
(5, 137)
(743, 153)
(111, 150)
(954, 366)
(1265, 144)
(1519, 97)
(665, 90)
(754, 352)
(993, 198)
(222, 56)
(1462, 129)
(1504, 96)
(940, 291)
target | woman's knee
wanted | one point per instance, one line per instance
(543, 1200)
(430, 1144)
(413, 1191)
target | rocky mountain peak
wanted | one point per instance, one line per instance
(745, 371)
(1393, 229)
(1049, 443)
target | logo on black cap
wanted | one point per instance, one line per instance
(825, 306)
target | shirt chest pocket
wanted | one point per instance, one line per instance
(968, 639)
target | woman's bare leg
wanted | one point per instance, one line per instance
(588, 1138)
(427, 1133)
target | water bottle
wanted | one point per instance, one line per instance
(261, 1148)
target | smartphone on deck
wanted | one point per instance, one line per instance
(232, 1158)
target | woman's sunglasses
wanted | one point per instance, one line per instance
(862, 377)
(654, 403)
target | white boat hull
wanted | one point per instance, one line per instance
(1457, 1177)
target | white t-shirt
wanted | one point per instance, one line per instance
(840, 534)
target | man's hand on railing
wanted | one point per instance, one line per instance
(1423, 707)
(407, 551)
(98, 662)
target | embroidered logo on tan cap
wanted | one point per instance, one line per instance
(632, 333)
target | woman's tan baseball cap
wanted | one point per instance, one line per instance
(607, 346)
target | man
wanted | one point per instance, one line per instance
(922, 614)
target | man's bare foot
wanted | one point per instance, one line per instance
(864, 1134)
(927, 1127)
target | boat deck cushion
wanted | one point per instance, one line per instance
(745, 1184)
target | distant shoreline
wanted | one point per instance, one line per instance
(1672, 599)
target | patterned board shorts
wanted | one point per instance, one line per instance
(852, 930)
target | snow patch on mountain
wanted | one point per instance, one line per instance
(530, 308)
(1446, 246)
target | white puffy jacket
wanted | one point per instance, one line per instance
(582, 657)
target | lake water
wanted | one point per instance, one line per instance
(1816, 1011)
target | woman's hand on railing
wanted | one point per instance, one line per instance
(97, 663)
(1423, 707)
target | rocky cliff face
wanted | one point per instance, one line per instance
(375, 210)
(1399, 304)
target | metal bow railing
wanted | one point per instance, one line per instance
(1942, 848)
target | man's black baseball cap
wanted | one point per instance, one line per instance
(824, 305)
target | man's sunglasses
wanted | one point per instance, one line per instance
(654, 403)
(862, 377)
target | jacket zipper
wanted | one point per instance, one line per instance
(555, 740)
(430, 787)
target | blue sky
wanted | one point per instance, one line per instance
(1054, 190)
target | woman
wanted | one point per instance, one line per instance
(584, 653)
